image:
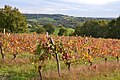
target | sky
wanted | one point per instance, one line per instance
(77, 8)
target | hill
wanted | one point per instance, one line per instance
(59, 19)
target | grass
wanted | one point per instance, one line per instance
(110, 71)
(56, 31)
(22, 69)
(69, 31)
(18, 69)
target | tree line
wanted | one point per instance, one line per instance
(100, 28)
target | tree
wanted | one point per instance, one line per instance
(49, 28)
(78, 30)
(40, 30)
(62, 31)
(89, 28)
(12, 20)
(114, 28)
(37, 28)
(93, 28)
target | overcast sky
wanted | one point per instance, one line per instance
(79, 8)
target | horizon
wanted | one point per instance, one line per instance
(76, 8)
(69, 15)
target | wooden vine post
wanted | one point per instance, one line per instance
(58, 63)
(2, 54)
(56, 54)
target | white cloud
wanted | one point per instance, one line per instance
(95, 8)
(96, 2)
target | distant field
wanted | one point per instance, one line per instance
(69, 31)
(56, 31)
(34, 20)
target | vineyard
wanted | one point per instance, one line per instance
(70, 50)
